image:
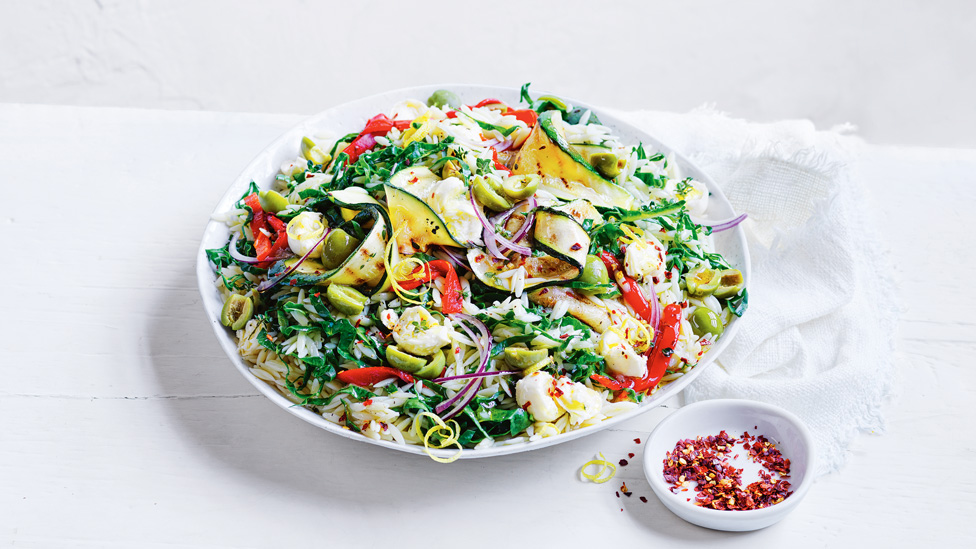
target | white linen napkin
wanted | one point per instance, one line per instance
(817, 337)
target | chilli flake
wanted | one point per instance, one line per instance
(705, 461)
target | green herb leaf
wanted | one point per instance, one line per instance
(739, 303)
(492, 127)
(524, 94)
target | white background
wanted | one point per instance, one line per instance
(902, 71)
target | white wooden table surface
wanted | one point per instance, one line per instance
(124, 425)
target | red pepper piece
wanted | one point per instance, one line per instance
(262, 245)
(277, 224)
(451, 296)
(381, 125)
(266, 250)
(258, 215)
(360, 145)
(372, 375)
(498, 164)
(366, 140)
(609, 383)
(529, 116)
(378, 125)
(486, 102)
(253, 202)
(660, 357)
(451, 114)
(628, 286)
(280, 246)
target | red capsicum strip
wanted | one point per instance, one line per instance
(265, 249)
(359, 145)
(660, 356)
(628, 286)
(486, 102)
(498, 164)
(451, 296)
(612, 384)
(366, 140)
(372, 375)
(529, 116)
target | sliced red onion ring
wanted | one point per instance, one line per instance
(719, 226)
(493, 239)
(232, 250)
(483, 344)
(507, 144)
(501, 218)
(529, 221)
(517, 248)
(481, 375)
(487, 234)
(454, 259)
(271, 283)
(492, 245)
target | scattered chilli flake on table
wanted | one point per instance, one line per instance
(719, 484)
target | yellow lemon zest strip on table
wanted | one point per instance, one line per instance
(598, 478)
(452, 436)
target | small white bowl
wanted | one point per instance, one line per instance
(709, 417)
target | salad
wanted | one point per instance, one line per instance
(466, 276)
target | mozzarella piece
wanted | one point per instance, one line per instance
(449, 199)
(580, 401)
(389, 318)
(645, 258)
(419, 333)
(304, 231)
(534, 393)
(696, 198)
(620, 355)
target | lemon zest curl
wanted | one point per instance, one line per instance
(439, 425)
(599, 477)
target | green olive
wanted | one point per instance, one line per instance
(346, 299)
(522, 358)
(730, 283)
(520, 186)
(405, 361)
(555, 101)
(450, 169)
(272, 202)
(702, 281)
(337, 248)
(594, 272)
(607, 164)
(483, 191)
(313, 153)
(444, 98)
(705, 321)
(236, 312)
(434, 368)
